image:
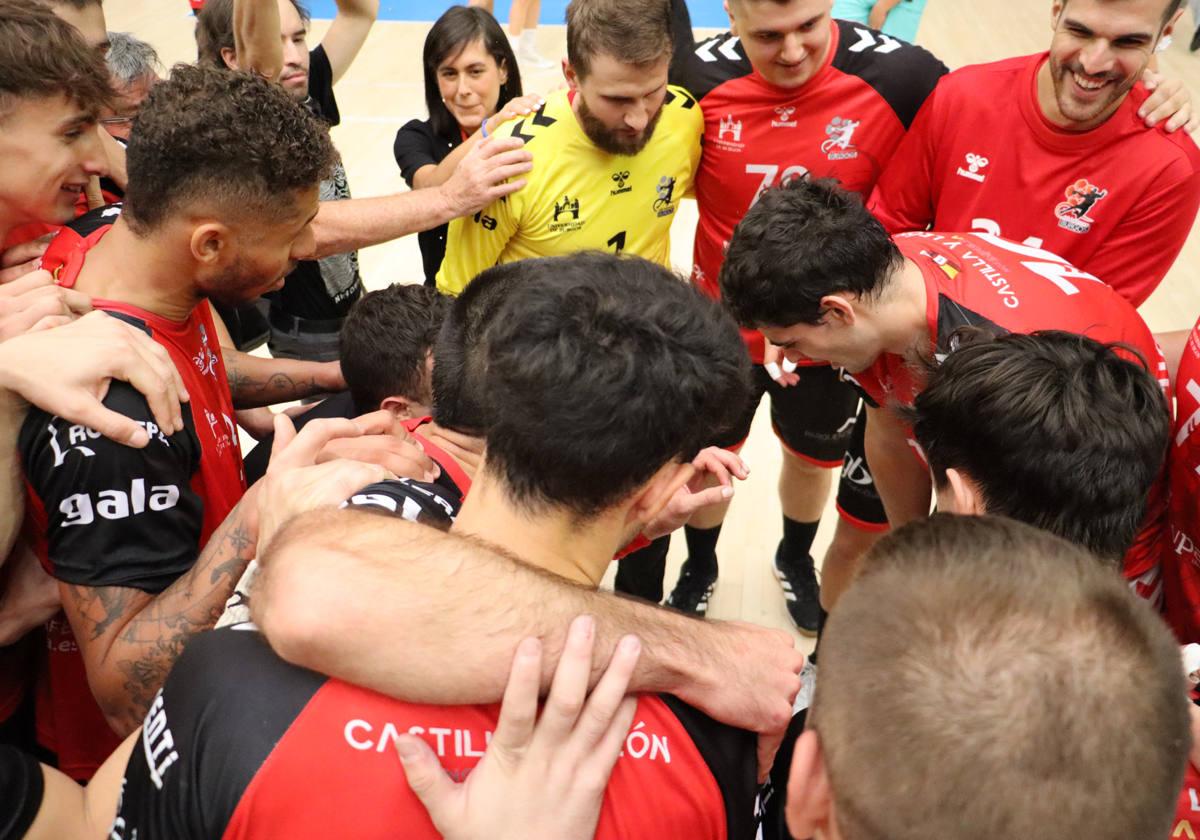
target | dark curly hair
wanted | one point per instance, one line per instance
(229, 137)
(41, 55)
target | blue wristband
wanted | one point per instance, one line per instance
(483, 128)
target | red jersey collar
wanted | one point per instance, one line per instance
(1056, 138)
(67, 274)
(444, 460)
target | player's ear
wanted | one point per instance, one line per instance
(400, 407)
(732, 21)
(502, 72)
(839, 309)
(211, 243)
(1056, 10)
(1170, 27)
(968, 500)
(570, 75)
(229, 56)
(809, 806)
(658, 491)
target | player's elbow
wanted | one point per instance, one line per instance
(122, 711)
(285, 607)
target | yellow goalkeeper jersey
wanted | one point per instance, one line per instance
(581, 198)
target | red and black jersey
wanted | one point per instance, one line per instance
(104, 514)
(1181, 564)
(240, 744)
(844, 123)
(1117, 201)
(982, 280)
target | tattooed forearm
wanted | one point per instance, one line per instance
(131, 639)
(255, 382)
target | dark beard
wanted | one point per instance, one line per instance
(608, 140)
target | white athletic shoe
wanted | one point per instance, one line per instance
(527, 54)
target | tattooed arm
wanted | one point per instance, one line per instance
(255, 381)
(130, 638)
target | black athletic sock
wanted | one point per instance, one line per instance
(702, 547)
(641, 573)
(797, 541)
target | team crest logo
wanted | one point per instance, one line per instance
(663, 205)
(974, 164)
(206, 359)
(620, 179)
(730, 128)
(840, 133)
(567, 205)
(785, 120)
(1082, 197)
(566, 216)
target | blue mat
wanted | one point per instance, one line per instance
(704, 12)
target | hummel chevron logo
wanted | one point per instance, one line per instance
(866, 40)
(728, 49)
(539, 119)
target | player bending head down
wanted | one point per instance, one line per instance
(1052, 429)
(618, 55)
(227, 166)
(1015, 689)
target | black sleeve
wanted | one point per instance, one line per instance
(116, 516)
(710, 63)
(435, 504)
(902, 73)
(682, 36)
(21, 790)
(414, 148)
(320, 86)
(225, 705)
(732, 759)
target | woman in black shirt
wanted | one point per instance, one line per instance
(470, 70)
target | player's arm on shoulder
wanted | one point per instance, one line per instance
(348, 33)
(1138, 252)
(12, 491)
(431, 592)
(904, 485)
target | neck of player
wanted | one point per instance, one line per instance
(905, 323)
(550, 539)
(139, 271)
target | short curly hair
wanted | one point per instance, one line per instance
(41, 56)
(218, 135)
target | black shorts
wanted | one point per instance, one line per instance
(812, 419)
(857, 499)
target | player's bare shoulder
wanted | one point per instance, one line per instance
(903, 74)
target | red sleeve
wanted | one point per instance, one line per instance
(903, 197)
(1142, 248)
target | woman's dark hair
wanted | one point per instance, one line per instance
(450, 35)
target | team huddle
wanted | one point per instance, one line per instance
(386, 618)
